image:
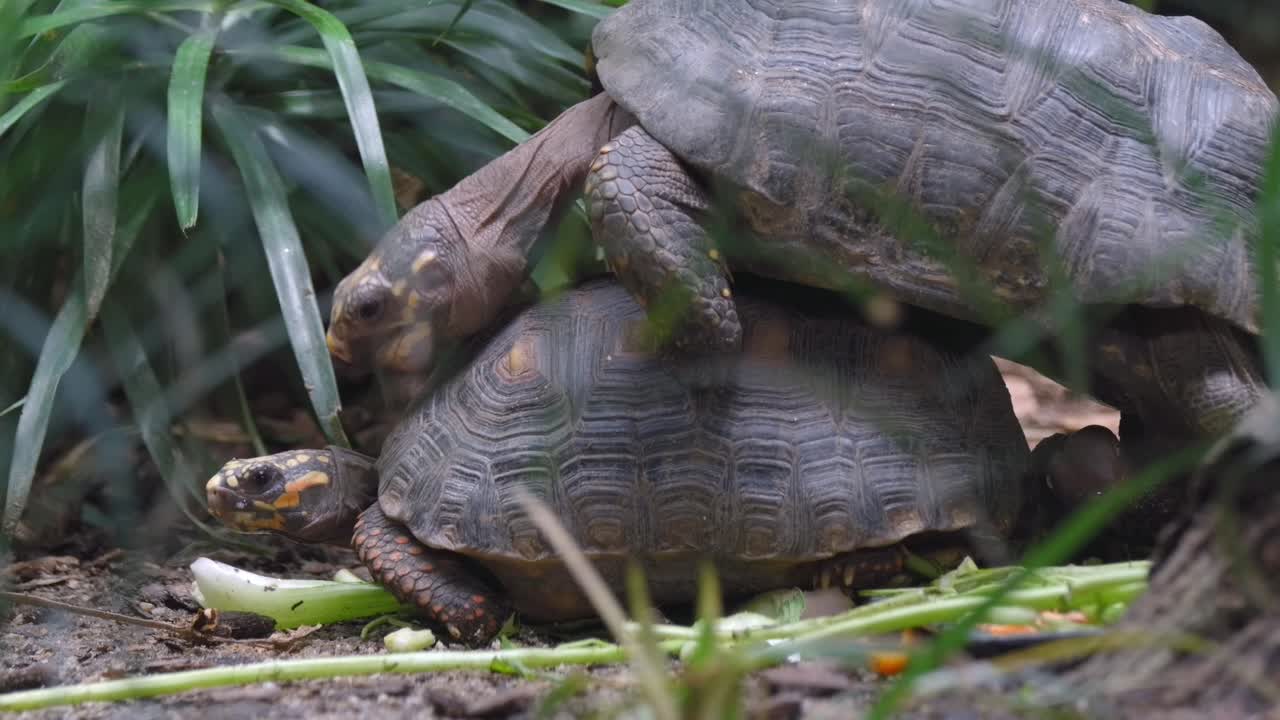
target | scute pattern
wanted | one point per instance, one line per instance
(833, 438)
(1125, 134)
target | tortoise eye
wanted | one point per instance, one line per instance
(369, 308)
(259, 478)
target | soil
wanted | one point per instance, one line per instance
(46, 647)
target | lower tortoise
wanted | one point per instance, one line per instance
(816, 455)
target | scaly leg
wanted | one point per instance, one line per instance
(645, 211)
(439, 583)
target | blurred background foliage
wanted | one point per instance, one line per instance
(184, 183)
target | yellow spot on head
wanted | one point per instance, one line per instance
(304, 458)
(714, 254)
(291, 462)
(407, 347)
(232, 481)
(425, 258)
(324, 458)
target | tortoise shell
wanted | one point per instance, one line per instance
(1134, 143)
(823, 436)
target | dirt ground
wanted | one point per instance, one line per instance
(45, 647)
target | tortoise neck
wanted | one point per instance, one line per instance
(505, 207)
(357, 485)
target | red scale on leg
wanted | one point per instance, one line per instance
(441, 584)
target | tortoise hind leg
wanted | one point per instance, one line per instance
(1183, 372)
(440, 584)
(644, 210)
(878, 567)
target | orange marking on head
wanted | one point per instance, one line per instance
(253, 521)
(291, 495)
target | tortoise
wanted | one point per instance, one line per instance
(877, 144)
(821, 453)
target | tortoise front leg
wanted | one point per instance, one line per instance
(437, 582)
(644, 210)
(1182, 377)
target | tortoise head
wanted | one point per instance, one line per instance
(431, 280)
(307, 495)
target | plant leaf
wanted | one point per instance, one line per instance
(453, 23)
(288, 265)
(32, 99)
(150, 411)
(59, 351)
(100, 192)
(363, 114)
(582, 7)
(186, 103)
(56, 20)
(446, 91)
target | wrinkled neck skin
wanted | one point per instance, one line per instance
(505, 207)
(355, 488)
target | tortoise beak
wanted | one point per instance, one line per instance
(337, 348)
(341, 357)
(222, 500)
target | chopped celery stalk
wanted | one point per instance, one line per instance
(346, 576)
(409, 640)
(289, 602)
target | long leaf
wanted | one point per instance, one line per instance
(453, 23)
(29, 101)
(446, 91)
(145, 396)
(98, 202)
(59, 351)
(186, 102)
(582, 7)
(288, 265)
(56, 20)
(350, 72)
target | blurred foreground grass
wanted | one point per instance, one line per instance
(184, 182)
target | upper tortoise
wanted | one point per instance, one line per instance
(816, 453)
(883, 141)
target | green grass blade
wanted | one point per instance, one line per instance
(442, 89)
(145, 396)
(29, 101)
(59, 351)
(101, 190)
(1269, 237)
(186, 104)
(354, 85)
(288, 266)
(453, 23)
(221, 330)
(1074, 533)
(582, 7)
(57, 20)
